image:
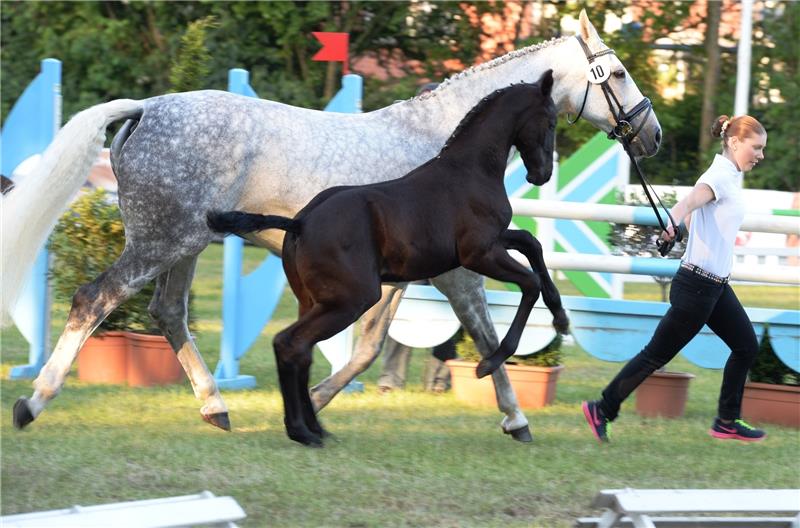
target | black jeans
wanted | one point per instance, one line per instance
(694, 301)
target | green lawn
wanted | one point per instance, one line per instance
(402, 459)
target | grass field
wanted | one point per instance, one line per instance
(402, 459)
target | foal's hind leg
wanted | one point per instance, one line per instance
(374, 326)
(293, 347)
(169, 308)
(498, 264)
(90, 305)
(464, 289)
(528, 245)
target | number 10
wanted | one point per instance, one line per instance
(597, 71)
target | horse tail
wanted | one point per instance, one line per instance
(240, 223)
(34, 206)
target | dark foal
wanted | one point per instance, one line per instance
(452, 211)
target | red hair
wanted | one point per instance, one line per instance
(742, 126)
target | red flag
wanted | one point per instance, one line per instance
(334, 47)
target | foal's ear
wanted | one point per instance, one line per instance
(545, 83)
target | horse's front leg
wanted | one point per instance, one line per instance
(529, 246)
(467, 297)
(169, 308)
(498, 264)
(374, 327)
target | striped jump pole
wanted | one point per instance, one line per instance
(624, 214)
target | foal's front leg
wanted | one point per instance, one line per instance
(498, 264)
(464, 289)
(528, 245)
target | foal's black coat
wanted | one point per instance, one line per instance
(452, 211)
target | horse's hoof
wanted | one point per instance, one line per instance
(484, 368)
(22, 413)
(561, 323)
(523, 434)
(220, 420)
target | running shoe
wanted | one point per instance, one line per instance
(736, 430)
(597, 421)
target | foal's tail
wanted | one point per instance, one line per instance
(33, 207)
(240, 223)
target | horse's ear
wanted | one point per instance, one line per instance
(588, 32)
(545, 82)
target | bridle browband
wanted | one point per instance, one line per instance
(625, 133)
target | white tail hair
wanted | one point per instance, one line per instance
(31, 209)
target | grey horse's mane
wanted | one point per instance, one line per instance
(477, 109)
(533, 48)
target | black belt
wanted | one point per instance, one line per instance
(697, 270)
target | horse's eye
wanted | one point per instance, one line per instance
(619, 74)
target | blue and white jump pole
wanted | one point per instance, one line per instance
(624, 214)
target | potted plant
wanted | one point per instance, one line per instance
(663, 394)
(772, 393)
(533, 377)
(126, 347)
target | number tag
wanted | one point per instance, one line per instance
(598, 71)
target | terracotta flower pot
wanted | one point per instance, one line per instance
(151, 361)
(535, 387)
(777, 404)
(104, 358)
(663, 394)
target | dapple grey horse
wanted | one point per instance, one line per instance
(181, 155)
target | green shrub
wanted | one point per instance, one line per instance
(549, 356)
(768, 368)
(86, 241)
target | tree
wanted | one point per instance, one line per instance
(776, 96)
(191, 65)
(711, 73)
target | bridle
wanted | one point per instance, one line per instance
(625, 132)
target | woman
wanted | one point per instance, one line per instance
(700, 293)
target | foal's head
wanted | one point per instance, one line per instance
(535, 136)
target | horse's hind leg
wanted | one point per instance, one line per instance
(528, 245)
(464, 290)
(374, 326)
(169, 308)
(90, 305)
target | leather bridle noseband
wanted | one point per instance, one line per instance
(625, 133)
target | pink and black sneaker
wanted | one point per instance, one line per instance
(597, 421)
(736, 430)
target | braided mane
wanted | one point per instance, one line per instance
(497, 61)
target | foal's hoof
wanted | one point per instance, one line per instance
(307, 439)
(561, 322)
(220, 420)
(523, 434)
(22, 413)
(485, 367)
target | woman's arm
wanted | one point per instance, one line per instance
(700, 195)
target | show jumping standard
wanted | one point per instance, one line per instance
(452, 211)
(181, 155)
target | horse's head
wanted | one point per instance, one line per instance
(603, 92)
(536, 137)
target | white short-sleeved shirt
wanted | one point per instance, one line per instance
(712, 231)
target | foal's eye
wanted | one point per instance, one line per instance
(619, 74)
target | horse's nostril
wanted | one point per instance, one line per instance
(658, 137)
